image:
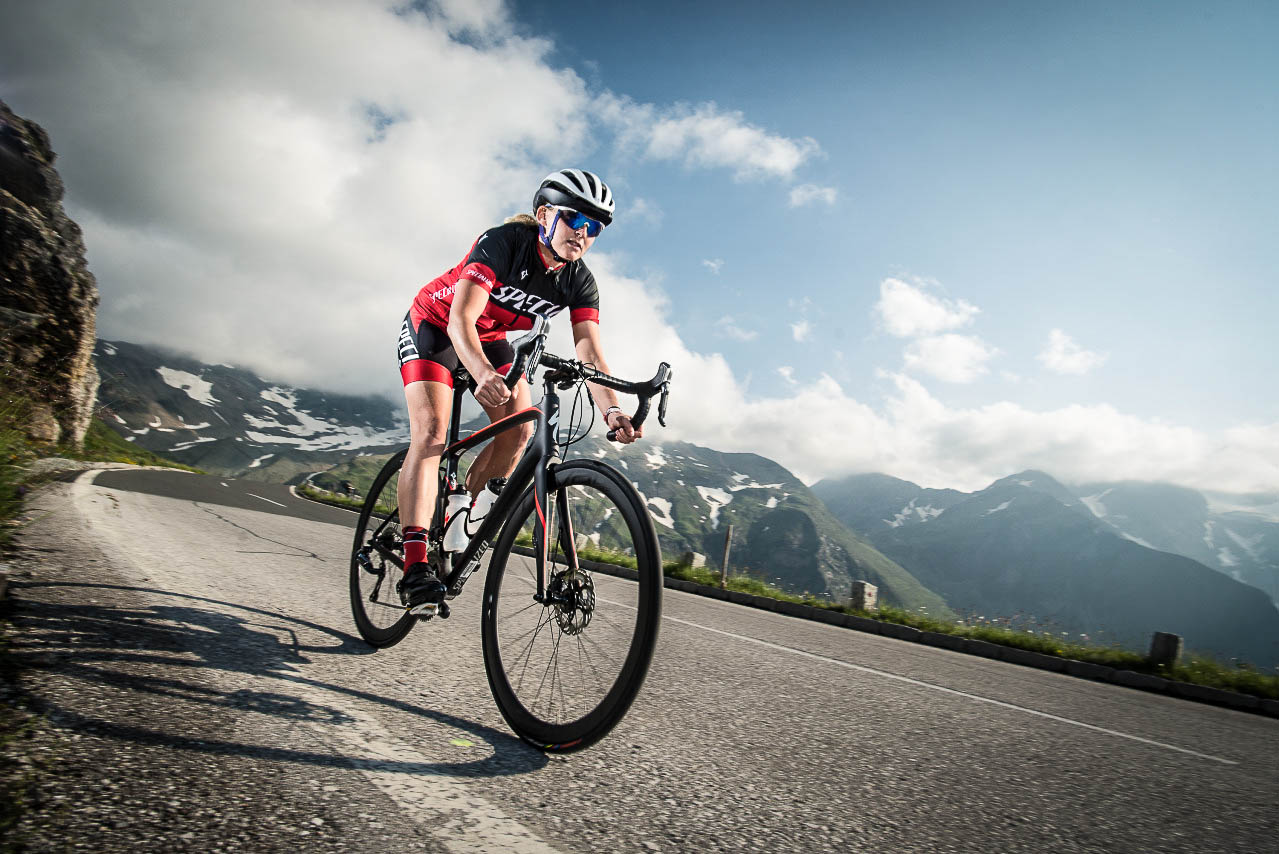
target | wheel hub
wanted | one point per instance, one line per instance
(572, 597)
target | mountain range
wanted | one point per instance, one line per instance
(228, 421)
(1029, 548)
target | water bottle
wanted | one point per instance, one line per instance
(480, 509)
(455, 512)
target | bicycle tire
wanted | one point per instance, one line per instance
(518, 632)
(379, 615)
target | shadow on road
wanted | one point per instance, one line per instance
(154, 654)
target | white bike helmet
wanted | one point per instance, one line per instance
(577, 189)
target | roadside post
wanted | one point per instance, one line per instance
(723, 566)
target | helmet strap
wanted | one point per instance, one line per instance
(545, 236)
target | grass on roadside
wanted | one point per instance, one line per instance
(1196, 668)
(325, 497)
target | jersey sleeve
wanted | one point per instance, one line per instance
(584, 301)
(489, 259)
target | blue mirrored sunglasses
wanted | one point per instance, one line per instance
(576, 219)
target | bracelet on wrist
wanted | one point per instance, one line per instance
(610, 411)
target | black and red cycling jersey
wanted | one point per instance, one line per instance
(505, 262)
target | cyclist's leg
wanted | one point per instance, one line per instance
(427, 361)
(428, 407)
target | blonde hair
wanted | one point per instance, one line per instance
(522, 219)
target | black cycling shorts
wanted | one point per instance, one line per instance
(427, 354)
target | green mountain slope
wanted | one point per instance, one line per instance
(781, 532)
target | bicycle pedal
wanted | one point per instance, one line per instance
(425, 612)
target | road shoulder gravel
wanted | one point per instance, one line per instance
(98, 757)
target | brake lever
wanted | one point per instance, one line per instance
(661, 404)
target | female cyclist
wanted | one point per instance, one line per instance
(529, 265)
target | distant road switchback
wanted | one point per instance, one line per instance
(191, 640)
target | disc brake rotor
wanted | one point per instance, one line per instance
(572, 593)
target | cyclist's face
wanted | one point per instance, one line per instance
(567, 243)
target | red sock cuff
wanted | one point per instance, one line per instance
(414, 545)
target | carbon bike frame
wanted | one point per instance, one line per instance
(533, 467)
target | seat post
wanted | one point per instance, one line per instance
(461, 382)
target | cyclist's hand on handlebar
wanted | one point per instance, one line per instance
(491, 389)
(626, 432)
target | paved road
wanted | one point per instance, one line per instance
(206, 655)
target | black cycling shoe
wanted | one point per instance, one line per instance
(421, 590)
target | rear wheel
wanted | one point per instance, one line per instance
(377, 560)
(564, 671)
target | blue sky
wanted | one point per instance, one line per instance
(944, 241)
(1107, 169)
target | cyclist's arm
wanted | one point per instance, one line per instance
(586, 339)
(469, 301)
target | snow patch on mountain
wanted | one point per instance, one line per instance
(182, 446)
(922, 514)
(660, 510)
(1248, 544)
(1003, 506)
(196, 388)
(310, 433)
(654, 457)
(716, 498)
(753, 485)
(1093, 503)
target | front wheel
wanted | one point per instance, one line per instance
(377, 558)
(565, 670)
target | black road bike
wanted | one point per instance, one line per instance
(567, 643)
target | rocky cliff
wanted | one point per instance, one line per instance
(48, 297)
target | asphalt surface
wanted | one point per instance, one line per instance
(205, 690)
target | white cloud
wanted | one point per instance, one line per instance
(645, 210)
(788, 374)
(1062, 355)
(729, 328)
(713, 264)
(952, 358)
(908, 310)
(704, 136)
(800, 330)
(807, 194)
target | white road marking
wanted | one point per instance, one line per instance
(267, 500)
(449, 805)
(931, 686)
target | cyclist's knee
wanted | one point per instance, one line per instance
(426, 444)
